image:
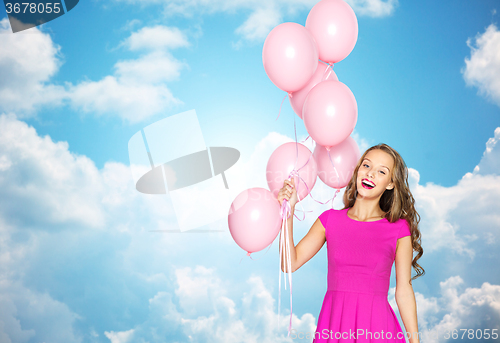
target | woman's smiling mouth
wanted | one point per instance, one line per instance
(367, 184)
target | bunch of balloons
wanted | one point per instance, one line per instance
(299, 60)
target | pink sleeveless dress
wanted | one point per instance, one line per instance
(360, 258)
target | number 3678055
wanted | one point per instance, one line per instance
(27, 7)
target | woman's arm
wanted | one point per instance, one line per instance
(311, 243)
(306, 248)
(405, 297)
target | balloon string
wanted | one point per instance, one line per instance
(285, 254)
(300, 179)
(285, 211)
(284, 224)
(282, 101)
(294, 172)
(285, 257)
(330, 73)
(336, 172)
(279, 273)
(323, 78)
(336, 192)
(296, 144)
(329, 67)
(310, 194)
(284, 249)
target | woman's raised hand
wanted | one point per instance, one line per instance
(288, 192)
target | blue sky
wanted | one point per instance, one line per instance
(78, 260)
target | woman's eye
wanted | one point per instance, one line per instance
(365, 165)
(382, 172)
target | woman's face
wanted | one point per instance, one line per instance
(375, 174)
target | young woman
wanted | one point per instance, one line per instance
(377, 227)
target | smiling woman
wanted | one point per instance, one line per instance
(376, 170)
(377, 227)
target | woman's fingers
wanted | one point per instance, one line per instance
(288, 189)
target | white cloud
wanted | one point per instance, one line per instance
(259, 23)
(27, 62)
(156, 38)
(43, 182)
(27, 314)
(373, 8)
(46, 186)
(130, 101)
(60, 215)
(153, 68)
(214, 317)
(362, 143)
(32, 54)
(120, 337)
(131, 24)
(264, 15)
(466, 216)
(458, 309)
(195, 290)
(490, 162)
(482, 69)
(137, 90)
(455, 217)
(435, 203)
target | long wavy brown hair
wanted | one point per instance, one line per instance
(396, 203)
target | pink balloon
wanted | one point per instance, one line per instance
(345, 157)
(254, 219)
(323, 72)
(335, 29)
(330, 113)
(290, 56)
(287, 157)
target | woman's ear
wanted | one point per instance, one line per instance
(390, 186)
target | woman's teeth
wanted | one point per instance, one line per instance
(367, 184)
